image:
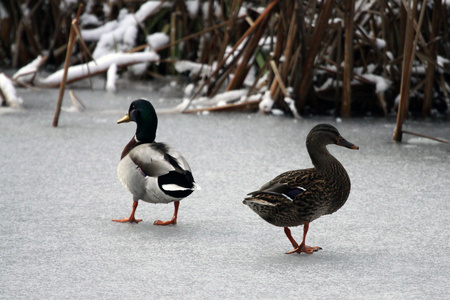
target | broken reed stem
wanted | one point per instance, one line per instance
(279, 79)
(66, 66)
(76, 101)
(83, 44)
(427, 136)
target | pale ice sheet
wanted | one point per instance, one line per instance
(60, 192)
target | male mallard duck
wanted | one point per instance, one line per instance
(298, 197)
(152, 172)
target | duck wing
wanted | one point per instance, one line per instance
(291, 185)
(156, 159)
(163, 162)
(290, 199)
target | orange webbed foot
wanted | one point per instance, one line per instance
(130, 220)
(304, 249)
(163, 223)
(174, 217)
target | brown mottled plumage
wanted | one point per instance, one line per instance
(298, 197)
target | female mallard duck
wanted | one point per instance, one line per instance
(298, 197)
(152, 172)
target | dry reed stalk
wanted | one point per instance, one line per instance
(429, 76)
(408, 57)
(294, 37)
(254, 89)
(427, 136)
(276, 54)
(19, 47)
(66, 66)
(186, 38)
(173, 36)
(3, 98)
(241, 106)
(279, 79)
(241, 39)
(243, 68)
(308, 68)
(291, 43)
(235, 7)
(348, 58)
(288, 47)
(443, 83)
(77, 101)
(214, 86)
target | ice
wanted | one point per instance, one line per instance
(60, 191)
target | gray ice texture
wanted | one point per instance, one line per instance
(59, 193)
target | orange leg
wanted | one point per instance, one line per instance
(131, 219)
(302, 247)
(287, 231)
(174, 218)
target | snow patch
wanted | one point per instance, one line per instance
(381, 84)
(192, 67)
(157, 40)
(266, 104)
(100, 65)
(26, 74)
(9, 91)
(111, 76)
(380, 43)
(291, 103)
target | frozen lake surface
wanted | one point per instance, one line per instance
(60, 191)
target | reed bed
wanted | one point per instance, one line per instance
(309, 57)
